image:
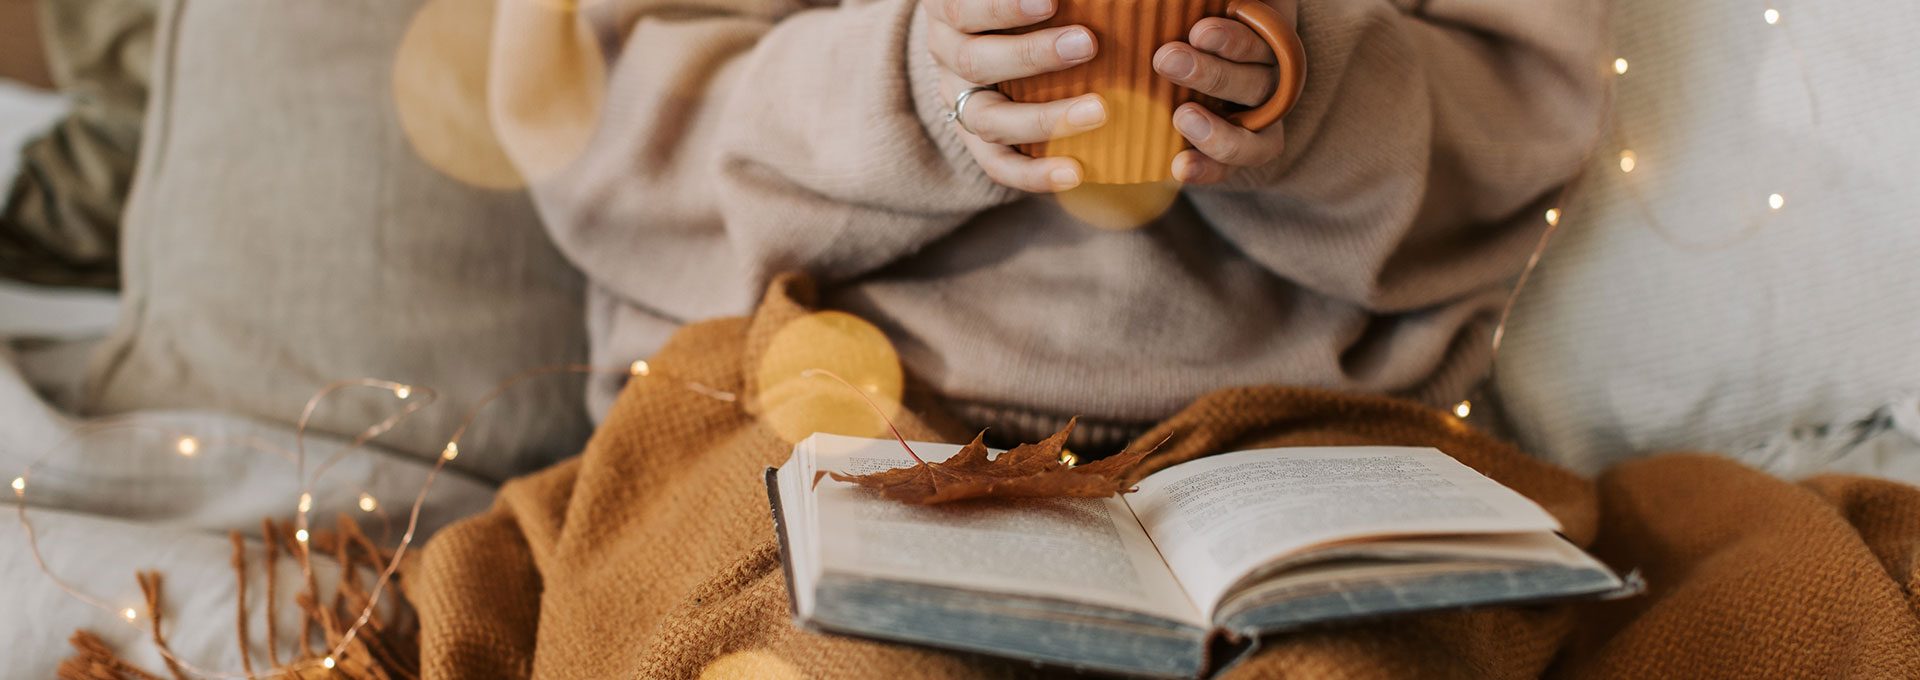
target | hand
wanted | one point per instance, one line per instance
(968, 56)
(1225, 59)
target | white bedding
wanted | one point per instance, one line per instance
(115, 503)
(1880, 442)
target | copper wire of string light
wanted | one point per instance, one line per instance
(415, 398)
(188, 445)
(1756, 215)
(1629, 161)
(1553, 216)
(104, 425)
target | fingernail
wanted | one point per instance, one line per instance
(1064, 178)
(1182, 168)
(1211, 39)
(1086, 113)
(1177, 64)
(1195, 126)
(1037, 8)
(1074, 45)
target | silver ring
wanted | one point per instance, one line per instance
(960, 105)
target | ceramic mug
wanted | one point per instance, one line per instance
(1138, 142)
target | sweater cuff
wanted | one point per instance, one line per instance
(923, 82)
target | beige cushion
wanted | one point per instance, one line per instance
(284, 234)
(1694, 316)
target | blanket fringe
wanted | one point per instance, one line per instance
(94, 660)
(385, 648)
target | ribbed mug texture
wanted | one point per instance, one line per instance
(1138, 142)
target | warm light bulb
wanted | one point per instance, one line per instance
(1553, 216)
(187, 446)
(451, 452)
(1620, 66)
(639, 367)
(367, 503)
(300, 535)
(1463, 409)
(1068, 459)
(327, 662)
(129, 614)
(402, 391)
(1772, 16)
(306, 502)
(1776, 201)
(1628, 161)
(19, 485)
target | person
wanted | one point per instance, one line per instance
(1363, 244)
(1360, 248)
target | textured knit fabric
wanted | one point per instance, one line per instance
(653, 555)
(744, 138)
(61, 220)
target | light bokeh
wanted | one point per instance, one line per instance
(494, 93)
(796, 401)
(1119, 206)
(548, 83)
(440, 93)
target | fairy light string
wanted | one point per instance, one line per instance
(413, 399)
(1628, 160)
(1763, 205)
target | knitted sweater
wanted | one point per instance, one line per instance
(746, 138)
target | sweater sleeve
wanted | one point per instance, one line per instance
(743, 138)
(1424, 150)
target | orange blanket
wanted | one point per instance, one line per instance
(652, 554)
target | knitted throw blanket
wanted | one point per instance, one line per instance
(652, 555)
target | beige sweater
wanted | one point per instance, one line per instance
(744, 138)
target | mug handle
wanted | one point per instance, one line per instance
(1287, 51)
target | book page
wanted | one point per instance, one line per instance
(1220, 518)
(1078, 549)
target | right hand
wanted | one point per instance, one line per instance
(958, 34)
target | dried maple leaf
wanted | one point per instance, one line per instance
(1027, 471)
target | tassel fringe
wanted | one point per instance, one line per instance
(386, 647)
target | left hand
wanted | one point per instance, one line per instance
(1224, 59)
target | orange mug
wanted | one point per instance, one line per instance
(1138, 142)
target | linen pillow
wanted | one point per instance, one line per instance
(1679, 309)
(284, 233)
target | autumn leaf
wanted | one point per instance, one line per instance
(1027, 471)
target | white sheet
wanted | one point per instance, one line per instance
(115, 503)
(35, 312)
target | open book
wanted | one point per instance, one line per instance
(1235, 545)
